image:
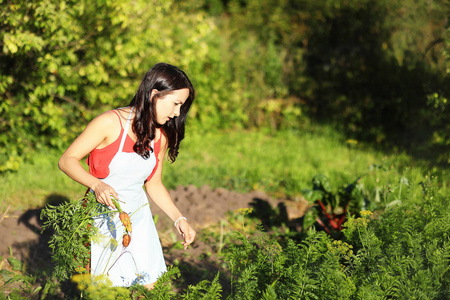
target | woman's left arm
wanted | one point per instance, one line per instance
(160, 196)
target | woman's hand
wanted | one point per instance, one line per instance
(186, 232)
(103, 193)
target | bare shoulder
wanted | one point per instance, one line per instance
(97, 134)
(105, 125)
(107, 121)
(107, 118)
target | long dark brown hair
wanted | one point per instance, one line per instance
(164, 78)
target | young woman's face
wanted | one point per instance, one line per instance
(168, 106)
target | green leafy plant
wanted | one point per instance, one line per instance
(263, 268)
(400, 252)
(72, 226)
(204, 290)
(331, 207)
(404, 252)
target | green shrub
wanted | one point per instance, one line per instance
(404, 253)
(401, 253)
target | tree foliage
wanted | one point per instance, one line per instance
(376, 69)
(60, 62)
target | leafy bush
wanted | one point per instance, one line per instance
(64, 62)
(260, 267)
(60, 61)
(254, 64)
(403, 253)
(376, 69)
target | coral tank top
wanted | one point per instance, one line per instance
(99, 159)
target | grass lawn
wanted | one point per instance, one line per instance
(281, 164)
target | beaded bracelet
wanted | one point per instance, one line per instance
(175, 224)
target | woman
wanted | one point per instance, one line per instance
(126, 148)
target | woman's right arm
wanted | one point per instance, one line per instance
(99, 132)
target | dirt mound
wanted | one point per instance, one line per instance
(204, 206)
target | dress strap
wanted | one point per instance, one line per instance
(120, 119)
(125, 131)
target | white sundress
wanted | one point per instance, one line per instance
(142, 262)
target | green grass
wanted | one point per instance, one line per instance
(37, 181)
(284, 164)
(281, 164)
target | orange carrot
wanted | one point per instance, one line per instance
(126, 240)
(125, 218)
